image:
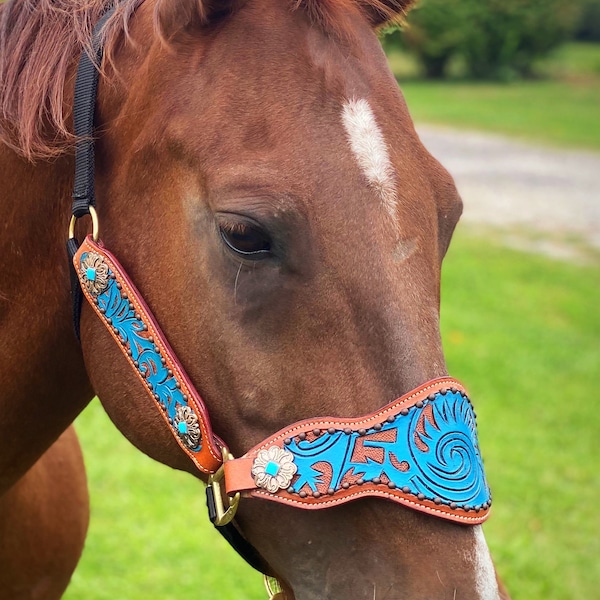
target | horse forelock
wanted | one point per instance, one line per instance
(40, 39)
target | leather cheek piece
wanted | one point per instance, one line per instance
(420, 451)
(130, 322)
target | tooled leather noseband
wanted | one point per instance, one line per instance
(420, 450)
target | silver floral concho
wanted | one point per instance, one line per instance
(187, 426)
(94, 272)
(273, 469)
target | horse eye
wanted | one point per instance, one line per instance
(246, 240)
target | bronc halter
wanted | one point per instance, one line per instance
(420, 450)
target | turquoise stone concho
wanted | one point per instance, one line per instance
(95, 273)
(129, 328)
(273, 469)
(187, 426)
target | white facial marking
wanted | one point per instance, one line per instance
(370, 149)
(485, 574)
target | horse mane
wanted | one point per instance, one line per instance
(41, 39)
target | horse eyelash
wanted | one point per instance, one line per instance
(236, 227)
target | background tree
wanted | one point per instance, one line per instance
(496, 39)
(588, 27)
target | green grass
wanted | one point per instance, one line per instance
(546, 111)
(523, 333)
(561, 110)
(149, 537)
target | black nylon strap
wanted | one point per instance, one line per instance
(84, 105)
(244, 548)
(76, 293)
(86, 87)
(235, 538)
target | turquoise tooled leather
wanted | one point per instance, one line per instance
(431, 451)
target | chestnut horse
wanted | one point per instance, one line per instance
(259, 175)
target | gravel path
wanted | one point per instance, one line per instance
(552, 194)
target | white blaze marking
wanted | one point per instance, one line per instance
(485, 574)
(371, 151)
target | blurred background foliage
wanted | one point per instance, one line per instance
(491, 39)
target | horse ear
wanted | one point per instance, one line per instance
(385, 11)
(175, 15)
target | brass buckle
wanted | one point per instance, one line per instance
(273, 588)
(94, 216)
(224, 515)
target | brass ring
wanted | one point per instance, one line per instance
(273, 587)
(95, 227)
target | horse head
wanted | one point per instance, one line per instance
(259, 176)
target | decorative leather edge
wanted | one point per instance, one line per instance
(368, 490)
(208, 458)
(239, 476)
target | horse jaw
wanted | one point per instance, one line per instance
(377, 560)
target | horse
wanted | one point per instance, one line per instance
(259, 176)
(43, 522)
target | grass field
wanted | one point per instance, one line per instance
(523, 333)
(560, 109)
